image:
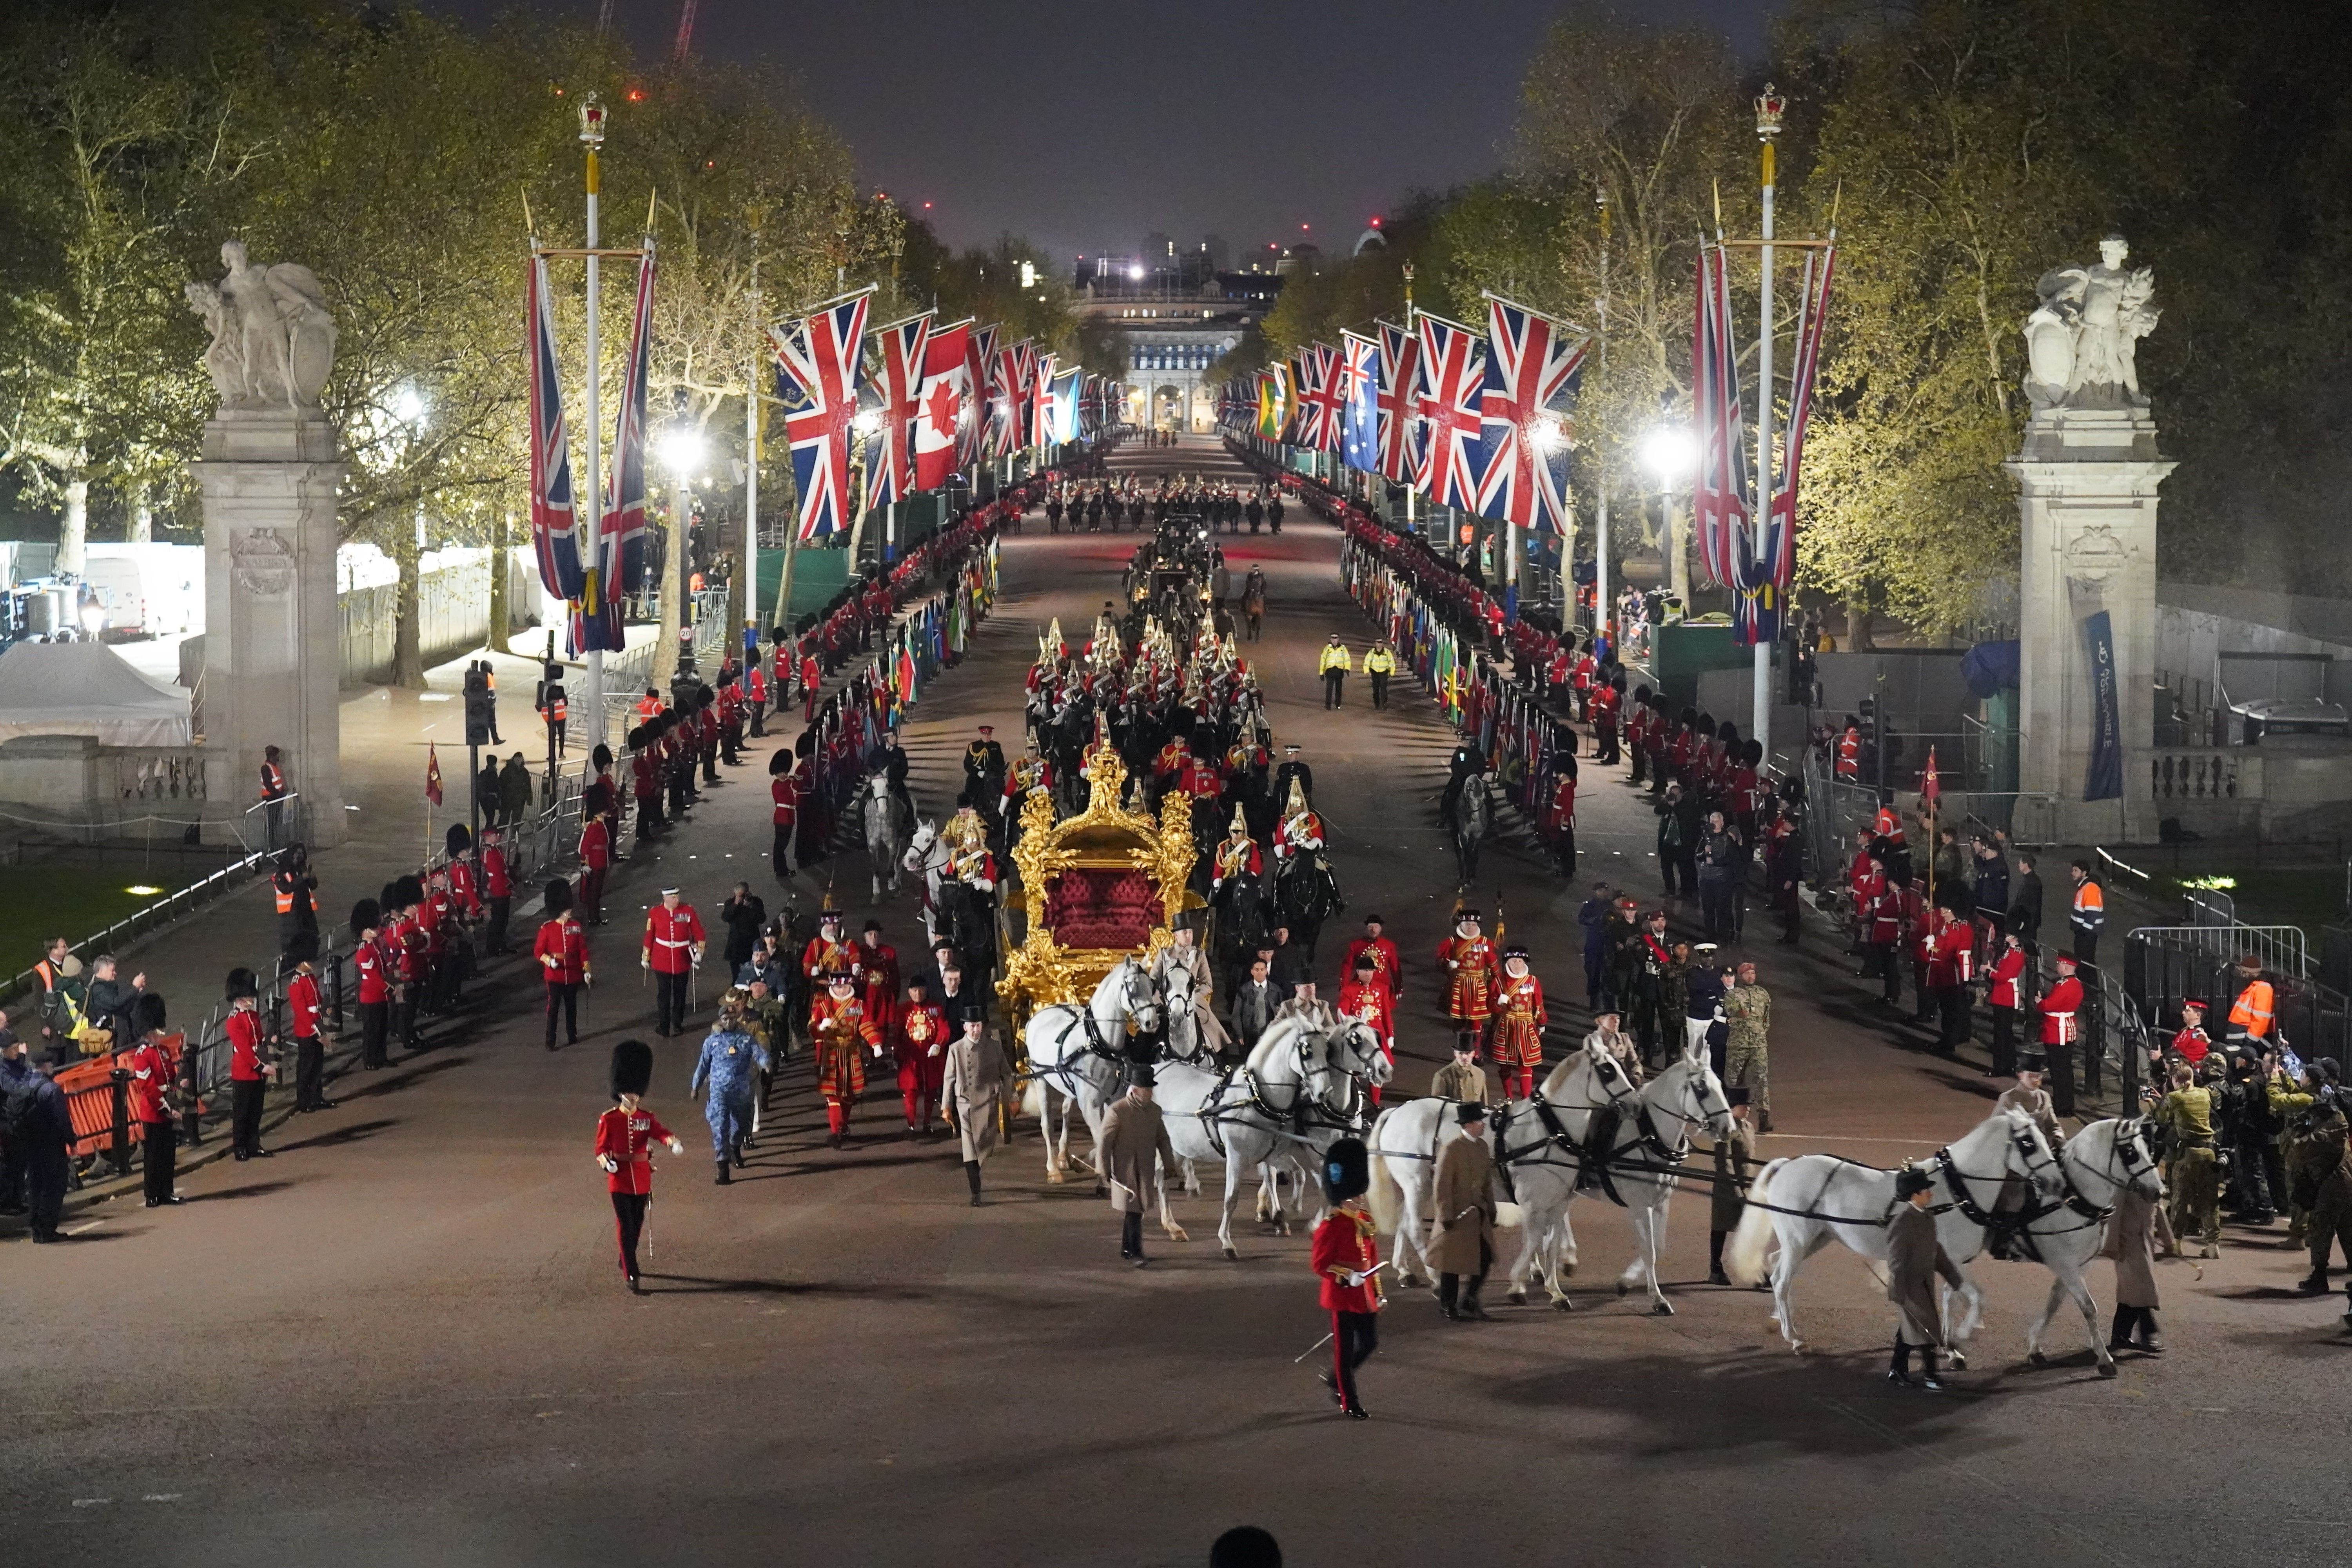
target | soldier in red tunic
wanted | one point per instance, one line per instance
(309, 1046)
(596, 858)
(784, 792)
(251, 1064)
(1345, 1257)
(626, 1136)
(843, 1036)
(1466, 962)
(1515, 1037)
(673, 947)
(562, 951)
(918, 1040)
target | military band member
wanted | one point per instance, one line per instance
(1466, 962)
(1515, 1033)
(626, 1136)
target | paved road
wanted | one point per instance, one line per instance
(403, 1340)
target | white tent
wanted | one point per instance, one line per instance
(87, 688)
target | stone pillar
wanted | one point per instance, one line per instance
(2087, 482)
(273, 636)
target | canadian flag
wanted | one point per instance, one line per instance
(943, 420)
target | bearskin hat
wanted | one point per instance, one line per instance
(559, 897)
(633, 1067)
(367, 912)
(458, 840)
(147, 1012)
(782, 762)
(601, 757)
(241, 983)
(1347, 1171)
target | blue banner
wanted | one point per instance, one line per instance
(2105, 780)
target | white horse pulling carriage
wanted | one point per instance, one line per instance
(1587, 1128)
(1807, 1201)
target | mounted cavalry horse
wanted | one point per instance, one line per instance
(1811, 1200)
(1301, 1088)
(1083, 1056)
(1467, 820)
(887, 827)
(953, 910)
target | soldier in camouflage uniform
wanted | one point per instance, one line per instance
(1747, 1063)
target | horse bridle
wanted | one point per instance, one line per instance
(1955, 1179)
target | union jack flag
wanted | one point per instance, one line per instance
(1393, 403)
(1719, 493)
(551, 512)
(1041, 420)
(1452, 385)
(890, 458)
(820, 361)
(1322, 400)
(1024, 394)
(1359, 377)
(980, 364)
(1533, 372)
(621, 538)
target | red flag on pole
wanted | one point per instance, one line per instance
(1930, 789)
(433, 773)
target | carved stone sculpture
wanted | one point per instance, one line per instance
(2081, 341)
(273, 339)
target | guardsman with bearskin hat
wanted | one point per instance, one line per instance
(626, 1136)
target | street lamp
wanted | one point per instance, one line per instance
(682, 452)
(1670, 452)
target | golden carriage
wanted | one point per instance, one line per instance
(1096, 887)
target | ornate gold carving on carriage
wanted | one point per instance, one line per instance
(1096, 887)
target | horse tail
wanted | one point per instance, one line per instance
(1743, 1254)
(1386, 1197)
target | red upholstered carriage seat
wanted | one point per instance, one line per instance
(1102, 908)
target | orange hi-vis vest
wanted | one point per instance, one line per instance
(2254, 1011)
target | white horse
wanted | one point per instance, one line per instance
(1301, 1088)
(2095, 1166)
(1811, 1200)
(1403, 1145)
(1082, 1055)
(926, 856)
(884, 819)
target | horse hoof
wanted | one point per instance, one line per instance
(1177, 1233)
(1662, 1310)
(1055, 1178)
(1516, 1297)
(1960, 1362)
(2107, 1367)
(1623, 1288)
(2035, 1358)
(1562, 1304)
(1232, 1256)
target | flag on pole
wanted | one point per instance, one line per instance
(943, 407)
(1720, 495)
(1453, 388)
(433, 772)
(890, 460)
(980, 362)
(1321, 398)
(1931, 788)
(620, 540)
(1041, 420)
(1780, 555)
(1535, 366)
(1269, 404)
(1395, 407)
(1063, 424)
(1024, 392)
(1359, 373)
(553, 515)
(820, 362)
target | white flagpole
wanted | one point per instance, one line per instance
(1767, 125)
(592, 131)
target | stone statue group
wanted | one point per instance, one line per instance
(2081, 341)
(273, 340)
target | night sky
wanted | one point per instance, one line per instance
(1085, 126)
